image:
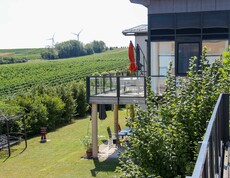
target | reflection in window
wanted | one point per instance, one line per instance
(185, 52)
(162, 54)
(215, 48)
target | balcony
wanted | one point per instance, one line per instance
(116, 89)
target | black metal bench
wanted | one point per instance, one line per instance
(13, 140)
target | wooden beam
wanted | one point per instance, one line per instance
(94, 131)
(116, 122)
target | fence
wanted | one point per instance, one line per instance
(211, 155)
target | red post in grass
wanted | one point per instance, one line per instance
(43, 134)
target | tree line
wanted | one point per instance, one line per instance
(73, 48)
(12, 60)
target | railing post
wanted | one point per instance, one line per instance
(95, 85)
(103, 83)
(110, 81)
(87, 89)
(216, 145)
(145, 94)
(118, 88)
(225, 111)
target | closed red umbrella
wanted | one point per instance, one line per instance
(132, 67)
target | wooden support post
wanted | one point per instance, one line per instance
(116, 122)
(94, 131)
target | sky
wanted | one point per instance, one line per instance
(30, 23)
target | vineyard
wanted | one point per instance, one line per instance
(20, 77)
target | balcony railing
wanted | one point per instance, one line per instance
(115, 87)
(122, 87)
(211, 155)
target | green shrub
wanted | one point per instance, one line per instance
(79, 94)
(165, 139)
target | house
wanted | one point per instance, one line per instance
(176, 31)
(140, 33)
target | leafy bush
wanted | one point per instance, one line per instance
(51, 107)
(71, 48)
(98, 46)
(165, 139)
(50, 53)
(79, 95)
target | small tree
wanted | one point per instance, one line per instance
(79, 95)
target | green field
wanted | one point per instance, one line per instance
(19, 77)
(61, 156)
(30, 53)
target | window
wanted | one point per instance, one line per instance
(215, 48)
(162, 54)
(185, 52)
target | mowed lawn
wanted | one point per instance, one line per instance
(61, 155)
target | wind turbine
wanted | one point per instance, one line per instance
(52, 39)
(77, 34)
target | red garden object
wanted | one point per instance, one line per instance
(132, 66)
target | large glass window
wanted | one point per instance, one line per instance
(185, 52)
(161, 55)
(215, 48)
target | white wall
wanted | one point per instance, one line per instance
(143, 45)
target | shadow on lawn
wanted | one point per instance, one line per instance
(4, 153)
(108, 165)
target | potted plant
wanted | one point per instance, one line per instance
(87, 143)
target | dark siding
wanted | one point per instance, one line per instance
(217, 19)
(177, 6)
(205, 25)
(180, 5)
(188, 21)
(208, 5)
(194, 5)
(222, 4)
(162, 6)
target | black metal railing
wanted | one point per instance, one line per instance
(211, 155)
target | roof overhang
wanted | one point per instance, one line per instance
(145, 3)
(140, 30)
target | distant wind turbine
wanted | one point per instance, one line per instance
(52, 39)
(77, 34)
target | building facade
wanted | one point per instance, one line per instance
(179, 29)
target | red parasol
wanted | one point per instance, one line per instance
(133, 66)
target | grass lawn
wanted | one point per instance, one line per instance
(61, 156)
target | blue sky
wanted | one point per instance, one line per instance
(29, 23)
